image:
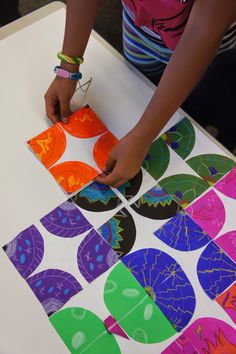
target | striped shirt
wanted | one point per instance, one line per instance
(162, 22)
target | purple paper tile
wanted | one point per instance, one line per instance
(26, 251)
(182, 233)
(53, 288)
(66, 221)
(95, 256)
(216, 271)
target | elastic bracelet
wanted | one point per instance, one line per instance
(67, 74)
(70, 60)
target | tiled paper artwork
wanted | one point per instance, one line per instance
(124, 270)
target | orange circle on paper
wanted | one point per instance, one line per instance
(50, 145)
(84, 123)
(102, 149)
(72, 175)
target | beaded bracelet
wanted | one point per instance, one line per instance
(70, 60)
(67, 74)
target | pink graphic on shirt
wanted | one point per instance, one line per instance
(227, 185)
(165, 17)
(209, 213)
(228, 243)
(211, 336)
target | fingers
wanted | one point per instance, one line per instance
(65, 109)
(50, 103)
(57, 99)
(57, 109)
(119, 183)
(104, 177)
(112, 179)
(115, 178)
(110, 164)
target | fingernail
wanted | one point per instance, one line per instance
(103, 174)
(65, 120)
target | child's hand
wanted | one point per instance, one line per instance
(58, 97)
(125, 160)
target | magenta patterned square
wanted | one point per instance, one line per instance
(209, 213)
(227, 185)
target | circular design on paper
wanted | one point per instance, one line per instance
(216, 271)
(124, 295)
(26, 251)
(227, 301)
(211, 167)
(50, 145)
(209, 213)
(182, 233)
(97, 197)
(102, 149)
(66, 221)
(157, 159)
(228, 243)
(227, 185)
(53, 288)
(156, 204)
(84, 123)
(211, 335)
(165, 282)
(95, 256)
(72, 175)
(131, 188)
(184, 188)
(119, 232)
(181, 137)
(74, 325)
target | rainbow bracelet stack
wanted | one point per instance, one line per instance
(70, 60)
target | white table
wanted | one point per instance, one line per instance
(118, 93)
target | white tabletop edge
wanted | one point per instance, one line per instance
(30, 18)
(209, 136)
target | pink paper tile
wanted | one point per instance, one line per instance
(209, 213)
(211, 336)
(228, 243)
(227, 185)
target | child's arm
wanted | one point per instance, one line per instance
(80, 18)
(197, 47)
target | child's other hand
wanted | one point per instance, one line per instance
(58, 97)
(125, 160)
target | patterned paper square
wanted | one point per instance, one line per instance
(74, 153)
(227, 300)
(165, 282)
(58, 257)
(124, 315)
(207, 159)
(208, 212)
(206, 335)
